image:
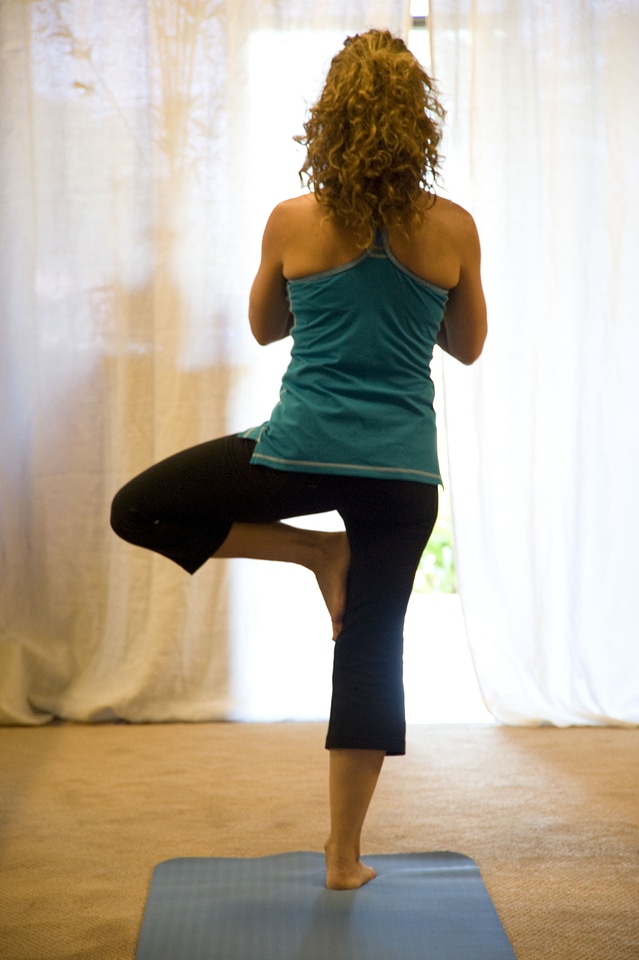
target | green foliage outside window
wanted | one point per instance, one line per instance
(436, 571)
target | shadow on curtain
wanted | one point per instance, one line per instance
(135, 140)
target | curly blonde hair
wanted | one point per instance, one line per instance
(372, 137)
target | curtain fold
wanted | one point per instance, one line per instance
(142, 145)
(543, 433)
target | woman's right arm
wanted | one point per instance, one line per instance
(463, 330)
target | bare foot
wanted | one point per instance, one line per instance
(346, 873)
(331, 570)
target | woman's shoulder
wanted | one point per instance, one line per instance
(297, 217)
(436, 246)
(309, 241)
(442, 223)
(288, 219)
(448, 214)
(295, 209)
(306, 206)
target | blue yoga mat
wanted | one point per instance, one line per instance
(421, 906)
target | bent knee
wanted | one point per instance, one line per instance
(127, 520)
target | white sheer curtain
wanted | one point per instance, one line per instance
(142, 145)
(544, 432)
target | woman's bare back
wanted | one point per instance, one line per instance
(315, 243)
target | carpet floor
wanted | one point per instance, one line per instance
(551, 817)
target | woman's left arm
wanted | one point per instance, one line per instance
(270, 314)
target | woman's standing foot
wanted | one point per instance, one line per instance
(345, 872)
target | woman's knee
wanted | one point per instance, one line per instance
(127, 519)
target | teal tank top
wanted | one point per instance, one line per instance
(357, 397)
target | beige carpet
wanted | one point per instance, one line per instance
(550, 816)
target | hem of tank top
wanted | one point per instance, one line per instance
(345, 466)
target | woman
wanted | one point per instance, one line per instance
(366, 272)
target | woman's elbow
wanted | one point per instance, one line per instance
(262, 331)
(270, 326)
(261, 337)
(266, 335)
(470, 354)
(470, 350)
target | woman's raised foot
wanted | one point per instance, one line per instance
(330, 567)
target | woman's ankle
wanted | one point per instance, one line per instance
(344, 869)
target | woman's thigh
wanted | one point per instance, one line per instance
(184, 506)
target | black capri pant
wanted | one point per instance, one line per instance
(184, 507)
